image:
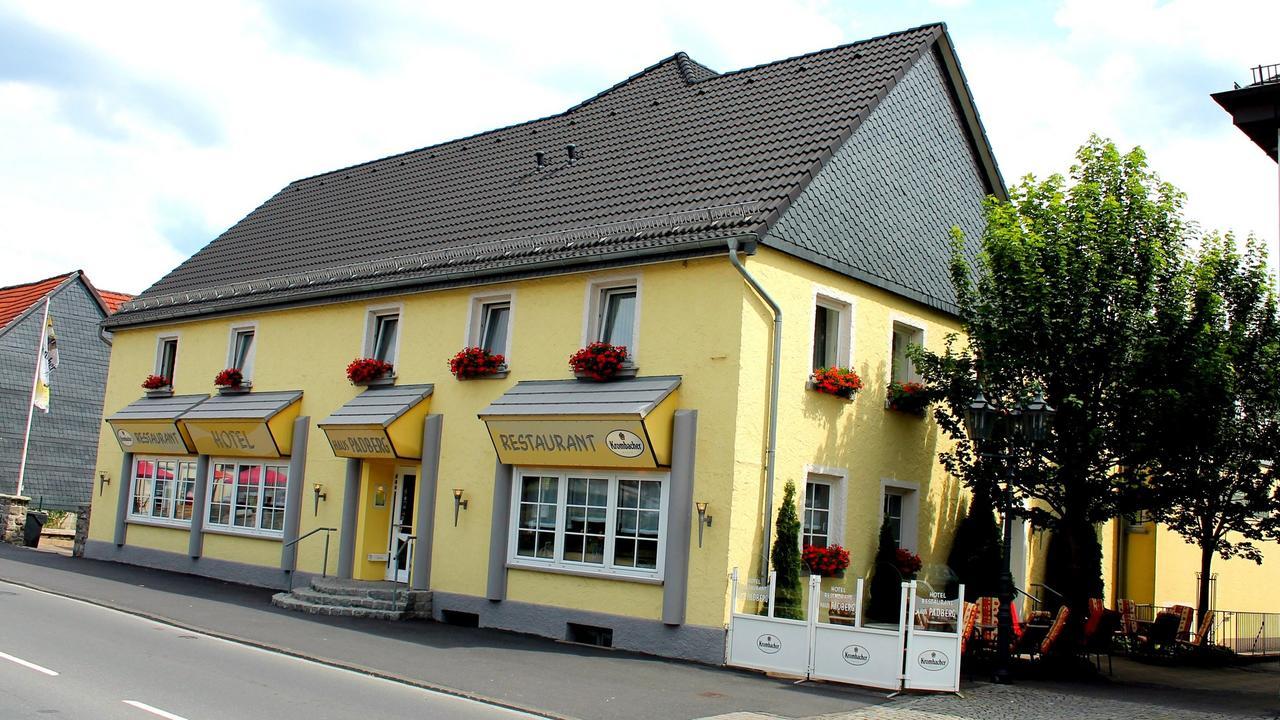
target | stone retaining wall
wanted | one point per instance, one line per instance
(13, 518)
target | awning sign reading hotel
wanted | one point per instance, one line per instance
(248, 438)
(350, 442)
(158, 438)
(572, 443)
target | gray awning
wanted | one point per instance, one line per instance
(243, 406)
(378, 406)
(634, 396)
(170, 408)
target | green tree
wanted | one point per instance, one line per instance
(885, 599)
(788, 601)
(975, 552)
(1212, 425)
(1059, 297)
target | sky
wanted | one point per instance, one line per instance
(133, 133)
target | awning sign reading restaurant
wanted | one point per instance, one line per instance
(585, 443)
(155, 438)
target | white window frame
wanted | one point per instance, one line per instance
(910, 493)
(838, 479)
(914, 324)
(161, 340)
(558, 563)
(230, 528)
(148, 518)
(232, 334)
(594, 305)
(475, 319)
(371, 315)
(843, 304)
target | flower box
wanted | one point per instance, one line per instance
(911, 398)
(838, 381)
(231, 382)
(162, 392)
(365, 372)
(601, 362)
(476, 363)
(829, 561)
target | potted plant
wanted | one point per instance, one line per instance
(370, 371)
(829, 561)
(476, 362)
(158, 386)
(908, 397)
(230, 382)
(907, 562)
(598, 361)
(838, 381)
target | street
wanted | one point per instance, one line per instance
(64, 658)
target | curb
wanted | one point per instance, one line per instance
(361, 669)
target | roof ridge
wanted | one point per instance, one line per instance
(63, 276)
(939, 25)
(674, 57)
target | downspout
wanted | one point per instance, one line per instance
(771, 453)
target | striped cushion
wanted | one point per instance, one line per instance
(1059, 623)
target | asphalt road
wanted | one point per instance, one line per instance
(61, 658)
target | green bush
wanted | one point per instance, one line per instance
(788, 601)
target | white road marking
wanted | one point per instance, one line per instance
(153, 710)
(26, 664)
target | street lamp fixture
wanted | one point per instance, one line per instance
(1023, 427)
(458, 504)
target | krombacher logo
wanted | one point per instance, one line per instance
(624, 443)
(856, 655)
(768, 643)
(933, 660)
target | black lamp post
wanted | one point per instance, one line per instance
(1001, 435)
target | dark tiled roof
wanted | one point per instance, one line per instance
(671, 161)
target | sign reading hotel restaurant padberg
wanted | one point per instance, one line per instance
(572, 443)
(354, 442)
(247, 438)
(154, 437)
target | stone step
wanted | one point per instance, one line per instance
(315, 597)
(359, 588)
(289, 602)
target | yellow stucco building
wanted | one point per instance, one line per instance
(690, 216)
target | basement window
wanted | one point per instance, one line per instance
(589, 635)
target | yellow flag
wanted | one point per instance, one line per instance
(48, 361)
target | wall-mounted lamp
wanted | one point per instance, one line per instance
(103, 480)
(458, 504)
(704, 520)
(318, 491)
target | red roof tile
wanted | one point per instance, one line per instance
(17, 298)
(113, 299)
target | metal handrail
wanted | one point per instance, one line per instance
(1046, 587)
(324, 569)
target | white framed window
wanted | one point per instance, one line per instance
(900, 506)
(247, 497)
(822, 504)
(489, 326)
(163, 489)
(382, 333)
(613, 313)
(606, 523)
(242, 348)
(904, 336)
(832, 329)
(166, 356)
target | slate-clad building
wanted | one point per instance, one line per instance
(63, 443)
(691, 216)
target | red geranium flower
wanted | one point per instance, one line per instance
(826, 561)
(363, 370)
(231, 377)
(842, 382)
(471, 362)
(907, 562)
(599, 361)
(155, 382)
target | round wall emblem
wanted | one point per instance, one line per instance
(126, 437)
(933, 660)
(856, 655)
(769, 644)
(624, 443)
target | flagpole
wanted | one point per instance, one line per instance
(35, 383)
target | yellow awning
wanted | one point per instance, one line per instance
(150, 425)
(571, 423)
(381, 422)
(256, 425)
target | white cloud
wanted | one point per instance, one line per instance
(167, 122)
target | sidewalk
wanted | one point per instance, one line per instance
(570, 681)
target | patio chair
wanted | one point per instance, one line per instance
(1186, 616)
(1128, 610)
(1202, 632)
(1038, 640)
(1102, 640)
(1055, 630)
(970, 622)
(988, 618)
(1162, 636)
(1093, 618)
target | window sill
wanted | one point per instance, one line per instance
(919, 413)
(625, 371)
(498, 374)
(243, 532)
(377, 382)
(164, 392)
(597, 574)
(809, 385)
(159, 522)
(241, 389)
